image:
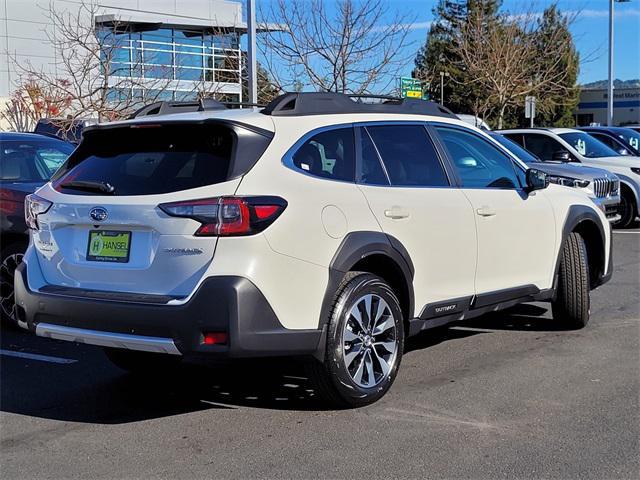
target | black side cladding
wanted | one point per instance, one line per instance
(357, 246)
(577, 217)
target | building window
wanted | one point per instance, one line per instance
(174, 54)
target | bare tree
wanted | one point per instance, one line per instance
(504, 60)
(349, 47)
(32, 101)
(95, 70)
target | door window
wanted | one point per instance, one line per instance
(607, 140)
(328, 154)
(542, 146)
(409, 157)
(370, 171)
(478, 163)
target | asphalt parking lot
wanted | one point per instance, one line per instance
(507, 395)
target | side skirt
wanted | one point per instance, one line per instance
(442, 313)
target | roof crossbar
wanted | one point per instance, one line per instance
(324, 103)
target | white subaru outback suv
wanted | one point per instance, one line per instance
(317, 227)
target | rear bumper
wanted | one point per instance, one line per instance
(229, 304)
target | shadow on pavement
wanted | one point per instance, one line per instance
(94, 391)
(525, 317)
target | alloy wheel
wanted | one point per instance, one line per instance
(7, 273)
(369, 341)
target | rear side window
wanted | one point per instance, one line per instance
(542, 146)
(328, 154)
(157, 159)
(409, 157)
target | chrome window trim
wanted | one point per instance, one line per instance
(287, 158)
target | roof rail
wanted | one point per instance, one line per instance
(324, 103)
(243, 104)
(164, 108)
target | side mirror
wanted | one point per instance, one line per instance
(536, 180)
(561, 156)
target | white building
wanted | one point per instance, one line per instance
(593, 107)
(184, 42)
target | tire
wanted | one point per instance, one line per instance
(142, 362)
(361, 361)
(571, 305)
(627, 209)
(10, 258)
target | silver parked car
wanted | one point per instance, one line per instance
(602, 186)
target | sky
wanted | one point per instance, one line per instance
(590, 31)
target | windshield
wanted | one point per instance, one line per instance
(588, 146)
(631, 137)
(32, 160)
(514, 148)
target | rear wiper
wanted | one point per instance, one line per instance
(89, 186)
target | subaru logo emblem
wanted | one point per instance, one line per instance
(99, 214)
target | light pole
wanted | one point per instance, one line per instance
(251, 51)
(442, 75)
(610, 86)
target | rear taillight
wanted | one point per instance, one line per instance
(228, 216)
(34, 206)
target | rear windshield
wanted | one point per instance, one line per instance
(154, 159)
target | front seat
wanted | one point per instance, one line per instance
(13, 166)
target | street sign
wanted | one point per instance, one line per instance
(412, 88)
(530, 108)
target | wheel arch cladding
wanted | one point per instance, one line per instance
(626, 188)
(583, 220)
(376, 253)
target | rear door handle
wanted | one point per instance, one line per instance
(396, 213)
(486, 211)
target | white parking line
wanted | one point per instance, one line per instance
(35, 356)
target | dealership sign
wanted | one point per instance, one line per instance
(413, 88)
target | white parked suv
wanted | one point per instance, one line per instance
(567, 144)
(317, 227)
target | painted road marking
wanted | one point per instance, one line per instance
(35, 356)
